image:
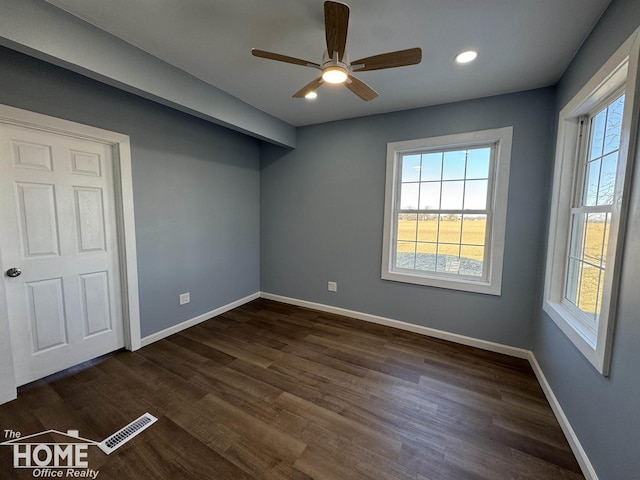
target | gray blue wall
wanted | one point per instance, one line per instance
(603, 411)
(195, 185)
(322, 210)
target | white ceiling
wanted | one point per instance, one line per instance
(522, 44)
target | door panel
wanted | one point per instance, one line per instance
(95, 302)
(37, 218)
(85, 163)
(57, 208)
(46, 314)
(31, 155)
(90, 219)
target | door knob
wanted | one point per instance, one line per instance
(14, 272)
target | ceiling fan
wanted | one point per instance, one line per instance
(336, 67)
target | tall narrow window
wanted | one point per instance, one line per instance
(445, 212)
(597, 133)
(592, 211)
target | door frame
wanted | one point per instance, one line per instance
(125, 221)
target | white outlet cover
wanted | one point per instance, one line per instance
(185, 298)
(332, 286)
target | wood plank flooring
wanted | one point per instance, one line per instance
(271, 391)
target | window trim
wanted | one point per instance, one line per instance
(619, 72)
(498, 184)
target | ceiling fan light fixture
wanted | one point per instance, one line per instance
(335, 75)
(311, 95)
(335, 66)
(466, 56)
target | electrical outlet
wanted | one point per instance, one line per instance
(185, 298)
(332, 286)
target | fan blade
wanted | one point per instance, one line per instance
(309, 87)
(336, 24)
(361, 89)
(282, 58)
(401, 58)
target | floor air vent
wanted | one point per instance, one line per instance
(125, 434)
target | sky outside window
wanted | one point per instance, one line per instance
(452, 180)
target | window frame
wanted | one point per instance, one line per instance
(496, 208)
(619, 75)
(578, 207)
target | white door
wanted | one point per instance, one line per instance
(58, 227)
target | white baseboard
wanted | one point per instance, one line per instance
(154, 337)
(587, 469)
(430, 332)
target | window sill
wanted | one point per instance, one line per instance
(462, 284)
(575, 332)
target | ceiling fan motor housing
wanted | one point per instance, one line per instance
(335, 64)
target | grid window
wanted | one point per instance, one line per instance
(441, 226)
(442, 222)
(591, 214)
(597, 132)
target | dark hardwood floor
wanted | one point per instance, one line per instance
(272, 391)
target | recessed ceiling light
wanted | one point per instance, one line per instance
(466, 57)
(311, 95)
